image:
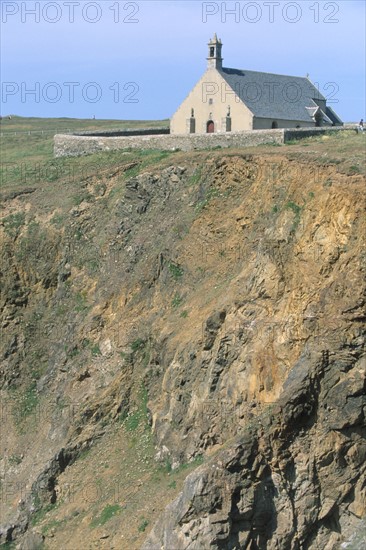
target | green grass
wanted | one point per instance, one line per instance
(296, 209)
(177, 301)
(175, 270)
(197, 461)
(39, 516)
(196, 176)
(25, 403)
(211, 193)
(53, 524)
(144, 523)
(81, 197)
(14, 460)
(145, 158)
(10, 545)
(138, 344)
(95, 350)
(13, 223)
(110, 511)
(355, 169)
(57, 125)
(58, 221)
(80, 302)
(27, 160)
(139, 417)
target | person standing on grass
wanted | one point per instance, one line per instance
(360, 126)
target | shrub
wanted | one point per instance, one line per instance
(137, 345)
(175, 270)
(144, 523)
(13, 223)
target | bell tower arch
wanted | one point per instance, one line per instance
(214, 60)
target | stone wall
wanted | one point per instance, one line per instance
(77, 145)
(300, 133)
(71, 145)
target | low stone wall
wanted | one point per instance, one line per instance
(66, 145)
(301, 133)
(71, 145)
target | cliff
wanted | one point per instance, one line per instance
(187, 313)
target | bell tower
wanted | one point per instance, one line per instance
(214, 60)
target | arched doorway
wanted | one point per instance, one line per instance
(274, 125)
(210, 127)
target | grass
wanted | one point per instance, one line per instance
(197, 461)
(144, 159)
(296, 209)
(355, 169)
(95, 350)
(144, 523)
(175, 270)
(141, 349)
(53, 524)
(139, 417)
(110, 511)
(14, 460)
(167, 467)
(39, 516)
(196, 176)
(34, 248)
(26, 402)
(211, 193)
(27, 160)
(137, 345)
(177, 301)
(81, 302)
(13, 223)
(81, 197)
(58, 221)
(58, 125)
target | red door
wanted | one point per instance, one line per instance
(210, 127)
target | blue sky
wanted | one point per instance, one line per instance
(139, 60)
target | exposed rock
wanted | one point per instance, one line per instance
(223, 305)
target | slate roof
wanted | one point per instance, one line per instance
(333, 116)
(274, 96)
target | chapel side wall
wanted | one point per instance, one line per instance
(211, 86)
(266, 123)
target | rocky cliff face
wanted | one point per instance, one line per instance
(230, 288)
